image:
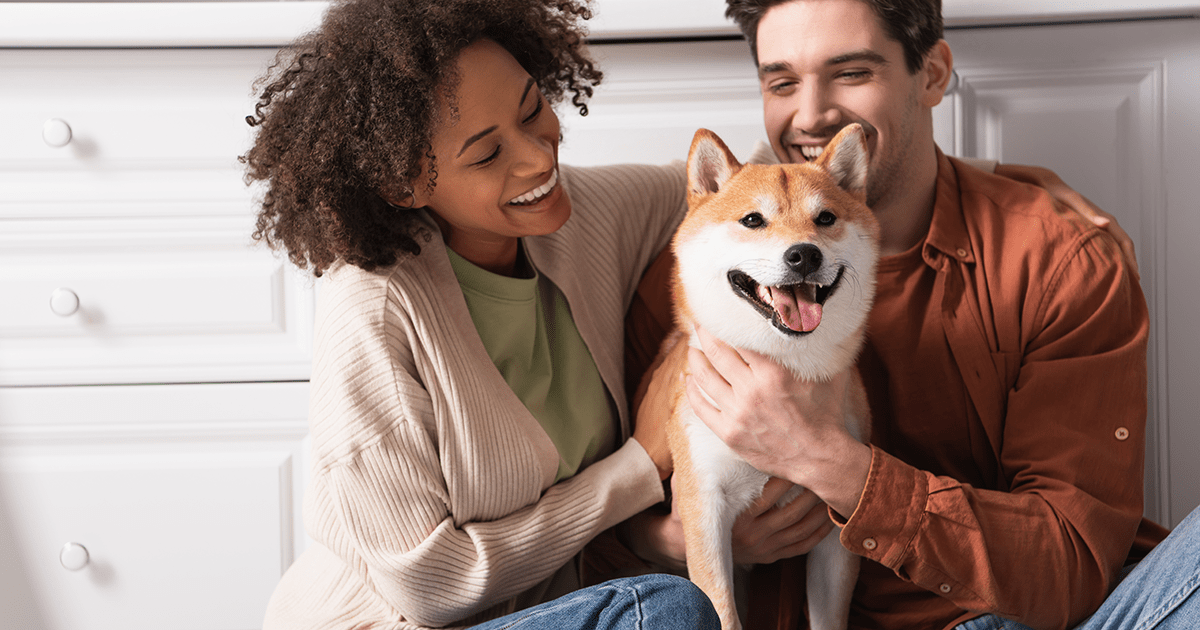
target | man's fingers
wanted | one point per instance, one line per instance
(723, 357)
(697, 397)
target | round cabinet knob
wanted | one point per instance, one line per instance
(64, 302)
(73, 556)
(56, 133)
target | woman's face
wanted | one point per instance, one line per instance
(496, 160)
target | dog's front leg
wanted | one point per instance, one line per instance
(713, 487)
(832, 573)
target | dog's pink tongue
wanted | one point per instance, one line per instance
(794, 311)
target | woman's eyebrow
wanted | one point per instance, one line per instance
(475, 138)
(528, 87)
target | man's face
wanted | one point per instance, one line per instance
(824, 64)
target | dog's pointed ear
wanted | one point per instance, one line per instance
(845, 159)
(710, 164)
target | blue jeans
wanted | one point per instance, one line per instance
(1159, 593)
(646, 602)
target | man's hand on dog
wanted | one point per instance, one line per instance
(782, 426)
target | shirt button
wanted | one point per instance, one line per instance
(870, 544)
(1122, 434)
(962, 253)
(945, 588)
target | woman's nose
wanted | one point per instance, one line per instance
(535, 155)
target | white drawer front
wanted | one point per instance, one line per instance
(150, 131)
(148, 301)
(173, 541)
(184, 498)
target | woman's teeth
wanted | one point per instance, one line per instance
(811, 152)
(537, 193)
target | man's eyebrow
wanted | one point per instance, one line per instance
(475, 138)
(867, 55)
(771, 68)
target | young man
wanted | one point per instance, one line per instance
(1005, 363)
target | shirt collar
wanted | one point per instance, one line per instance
(948, 227)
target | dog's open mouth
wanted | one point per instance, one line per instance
(794, 309)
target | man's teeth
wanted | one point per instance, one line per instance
(537, 193)
(811, 152)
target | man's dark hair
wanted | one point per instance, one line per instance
(916, 24)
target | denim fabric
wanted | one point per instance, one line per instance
(1160, 593)
(647, 602)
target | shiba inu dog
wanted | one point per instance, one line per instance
(780, 260)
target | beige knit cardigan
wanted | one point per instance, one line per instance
(431, 500)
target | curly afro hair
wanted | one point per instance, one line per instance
(346, 113)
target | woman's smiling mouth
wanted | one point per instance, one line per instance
(537, 194)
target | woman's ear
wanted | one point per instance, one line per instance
(405, 196)
(938, 70)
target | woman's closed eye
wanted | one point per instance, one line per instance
(536, 110)
(491, 157)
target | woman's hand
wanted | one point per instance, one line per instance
(1071, 199)
(655, 404)
(762, 534)
(766, 532)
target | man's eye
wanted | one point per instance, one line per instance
(782, 87)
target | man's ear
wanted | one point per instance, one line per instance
(938, 70)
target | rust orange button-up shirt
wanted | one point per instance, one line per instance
(1006, 370)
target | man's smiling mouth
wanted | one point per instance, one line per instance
(537, 194)
(811, 152)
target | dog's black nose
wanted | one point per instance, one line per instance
(803, 259)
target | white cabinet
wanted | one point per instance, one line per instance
(153, 360)
(139, 223)
(165, 506)
(648, 112)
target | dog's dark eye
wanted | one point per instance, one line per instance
(752, 220)
(826, 218)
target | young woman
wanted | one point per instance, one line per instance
(470, 431)
(469, 417)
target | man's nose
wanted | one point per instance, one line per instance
(815, 111)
